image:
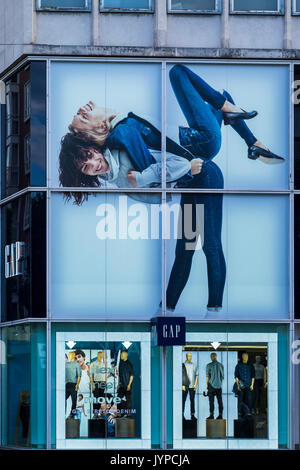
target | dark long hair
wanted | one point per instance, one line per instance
(74, 150)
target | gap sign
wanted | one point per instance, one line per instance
(168, 331)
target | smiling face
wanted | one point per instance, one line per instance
(95, 163)
(79, 359)
(90, 117)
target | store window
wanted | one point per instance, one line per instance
(23, 250)
(63, 5)
(23, 386)
(127, 5)
(257, 6)
(228, 388)
(194, 6)
(102, 390)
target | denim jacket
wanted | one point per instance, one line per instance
(136, 136)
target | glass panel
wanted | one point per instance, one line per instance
(111, 264)
(102, 385)
(298, 5)
(63, 3)
(233, 275)
(297, 256)
(235, 378)
(25, 115)
(117, 132)
(195, 96)
(257, 5)
(296, 101)
(193, 5)
(237, 375)
(23, 252)
(126, 4)
(23, 373)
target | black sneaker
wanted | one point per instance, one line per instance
(211, 417)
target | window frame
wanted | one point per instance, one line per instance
(216, 11)
(104, 9)
(144, 442)
(87, 7)
(295, 12)
(271, 339)
(279, 12)
(27, 100)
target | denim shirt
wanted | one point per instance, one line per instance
(245, 373)
(137, 136)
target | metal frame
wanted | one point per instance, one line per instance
(104, 9)
(216, 11)
(86, 8)
(280, 10)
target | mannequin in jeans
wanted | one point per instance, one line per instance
(189, 383)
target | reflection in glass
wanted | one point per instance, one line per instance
(256, 5)
(25, 164)
(63, 3)
(204, 5)
(23, 374)
(24, 288)
(127, 4)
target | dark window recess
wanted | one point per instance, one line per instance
(23, 235)
(23, 157)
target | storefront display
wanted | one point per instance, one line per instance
(106, 381)
(232, 381)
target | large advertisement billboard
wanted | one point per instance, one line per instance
(224, 256)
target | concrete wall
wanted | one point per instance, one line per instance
(25, 31)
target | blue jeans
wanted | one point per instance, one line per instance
(210, 178)
(201, 105)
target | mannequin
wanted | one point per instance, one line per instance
(244, 377)
(98, 378)
(214, 379)
(125, 381)
(73, 376)
(189, 383)
(260, 382)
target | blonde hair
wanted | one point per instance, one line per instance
(93, 135)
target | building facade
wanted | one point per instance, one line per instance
(96, 263)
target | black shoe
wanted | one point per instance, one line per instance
(231, 118)
(193, 418)
(210, 417)
(265, 156)
(220, 417)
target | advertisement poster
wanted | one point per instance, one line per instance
(226, 255)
